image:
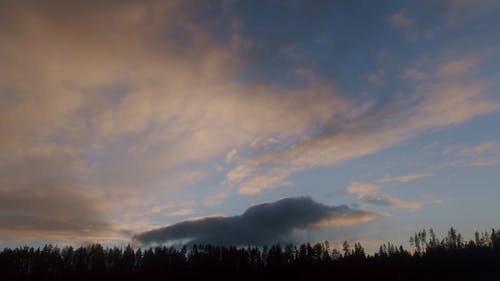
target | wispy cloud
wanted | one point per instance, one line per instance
(215, 198)
(489, 147)
(414, 74)
(458, 12)
(181, 212)
(442, 103)
(370, 193)
(403, 178)
(484, 154)
(457, 67)
(377, 77)
(401, 20)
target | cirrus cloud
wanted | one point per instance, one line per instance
(370, 193)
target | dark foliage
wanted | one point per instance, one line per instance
(450, 258)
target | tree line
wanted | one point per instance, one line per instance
(430, 258)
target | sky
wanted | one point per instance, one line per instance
(247, 122)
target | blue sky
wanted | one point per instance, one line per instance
(125, 116)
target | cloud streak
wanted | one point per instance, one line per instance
(403, 178)
(260, 224)
(434, 104)
(401, 20)
(484, 148)
(483, 154)
(370, 193)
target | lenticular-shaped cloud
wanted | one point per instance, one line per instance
(260, 224)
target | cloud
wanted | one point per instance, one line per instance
(479, 163)
(215, 198)
(52, 212)
(41, 195)
(369, 193)
(404, 178)
(130, 100)
(484, 154)
(181, 212)
(377, 77)
(231, 155)
(457, 67)
(434, 104)
(133, 103)
(458, 12)
(489, 147)
(414, 74)
(401, 20)
(260, 224)
(150, 105)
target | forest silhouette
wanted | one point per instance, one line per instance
(430, 258)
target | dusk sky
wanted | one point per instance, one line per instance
(204, 120)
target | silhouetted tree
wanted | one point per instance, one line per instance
(346, 248)
(451, 258)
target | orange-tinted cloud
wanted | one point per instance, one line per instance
(435, 104)
(370, 193)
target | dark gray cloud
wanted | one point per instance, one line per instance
(51, 210)
(41, 195)
(260, 224)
